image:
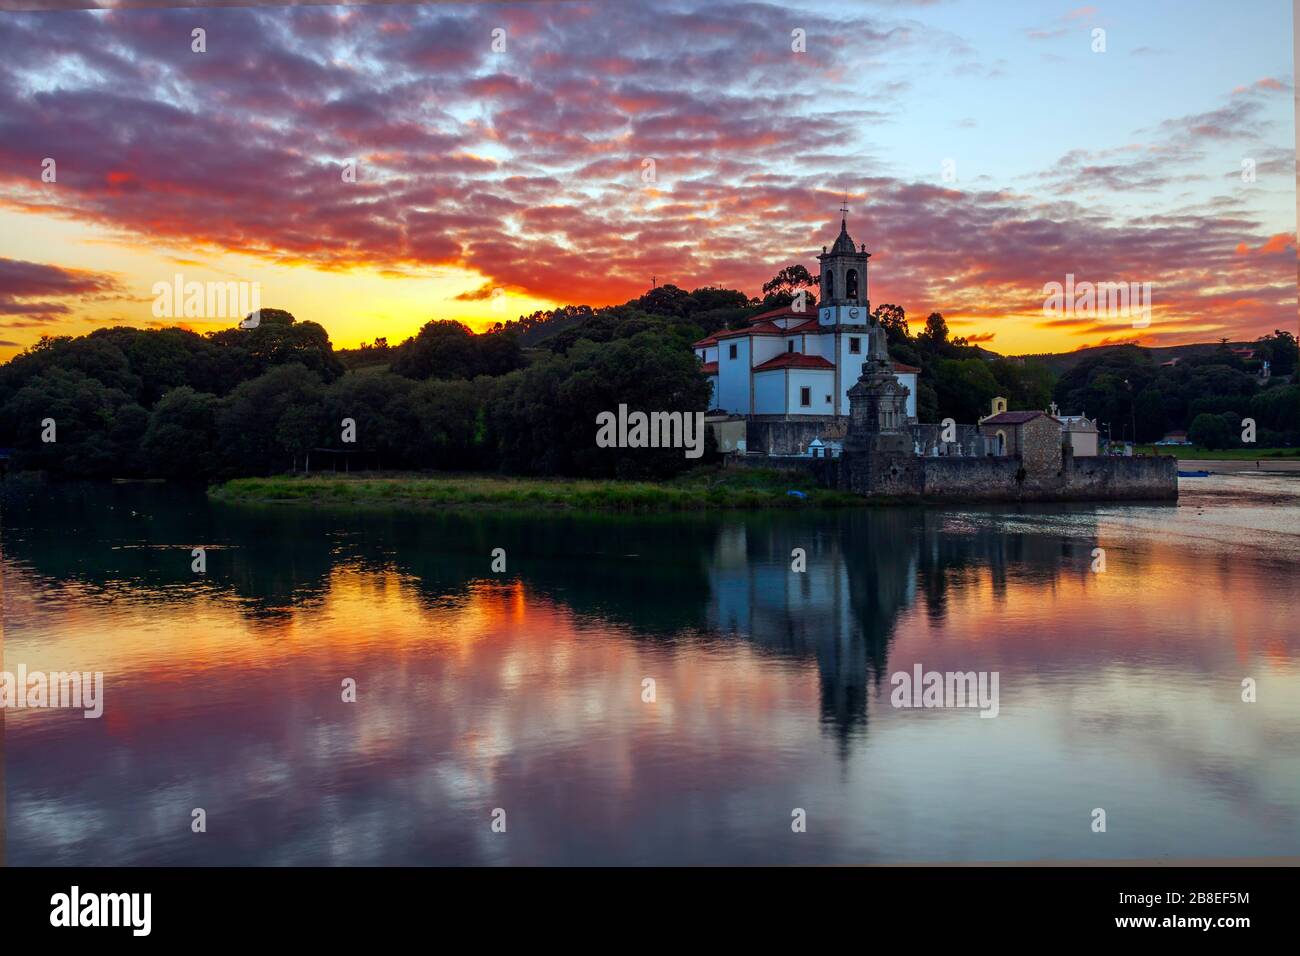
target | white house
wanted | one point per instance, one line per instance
(792, 362)
(1077, 431)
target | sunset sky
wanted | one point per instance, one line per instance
(522, 170)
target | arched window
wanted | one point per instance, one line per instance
(851, 284)
(830, 285)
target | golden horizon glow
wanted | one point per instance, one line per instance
(359, 305)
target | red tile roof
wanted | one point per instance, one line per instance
(785, 312)
(709, 368)
(794, 360)
(705, 342)
(766, 328)
(900, 367)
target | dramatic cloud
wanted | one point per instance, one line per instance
(605, 144)
(26, 289)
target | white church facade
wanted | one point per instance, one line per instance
(794, 363)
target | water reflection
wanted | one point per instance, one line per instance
(523, 690)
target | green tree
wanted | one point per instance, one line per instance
(965, 388)
(268, 424)
(1209, 431)
(1150, 414)
(181, 439)
(542, 420)
(96, 428)
(380, 403)
(893, 319)
(1027, 385)
(780, 290)
(667, 300)
(934, 340)
(1280, 350)
(452, 428)
(279, 339)
(445, 349)
(1278, 409)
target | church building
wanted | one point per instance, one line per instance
(791, 363)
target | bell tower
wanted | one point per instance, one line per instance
(843, 294)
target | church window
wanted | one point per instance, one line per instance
(731, 350)
(855, 345)
(805, 396)
(851, 284)
(830, 285)
(828, 399)
(789, 346)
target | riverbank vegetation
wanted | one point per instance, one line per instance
(703, 489)
(1197, 453)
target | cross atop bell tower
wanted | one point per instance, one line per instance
(844, 278)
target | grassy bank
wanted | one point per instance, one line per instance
(1223, 454)
(704, 489)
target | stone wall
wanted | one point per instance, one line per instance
(1139, 477)
(886, 466)
(1005, 479)
(1040, 445)
(989, 478)
(1081, 479)
(880, 464)
(777, 435)
(727, 432)
(1009, 445)
(928, 440)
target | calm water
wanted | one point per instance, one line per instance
(523, 690)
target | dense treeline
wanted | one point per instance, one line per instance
(957, 379)
(124, 402)
(1207, 395)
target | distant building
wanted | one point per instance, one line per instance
(1007, 432)
(1033, 436)
(830, 448)
(797, 364)
(1078, 432)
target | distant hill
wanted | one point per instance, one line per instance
(1061, 362)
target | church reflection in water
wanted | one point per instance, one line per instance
(656, 580)
(840, 611)
(525, 688)
(865, 571)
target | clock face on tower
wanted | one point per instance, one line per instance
(853, 313)
(826, 315)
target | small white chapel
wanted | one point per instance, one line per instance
(790, 363)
